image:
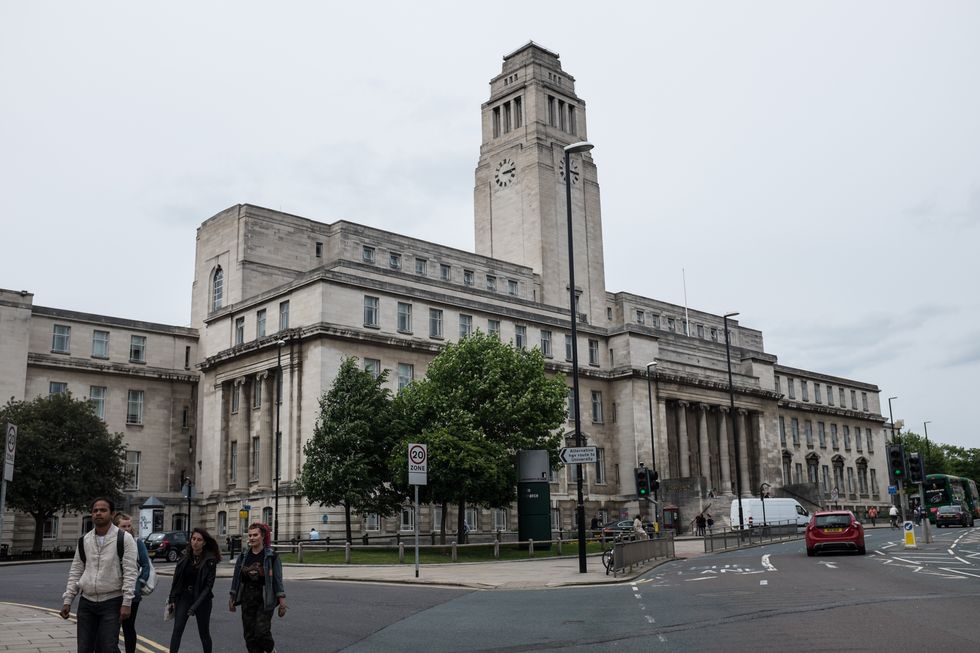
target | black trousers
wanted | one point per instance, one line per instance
(98, 625)
(256, 622)
(129, 628)
(202, 614)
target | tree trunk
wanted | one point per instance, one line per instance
(460, 521)
(39, 520)
(442, 522)
(347, 519)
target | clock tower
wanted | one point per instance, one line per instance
(532, 114)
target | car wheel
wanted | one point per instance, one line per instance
(862, 551)
(811, 552)
(172, 555)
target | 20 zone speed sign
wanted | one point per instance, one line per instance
(418, 464)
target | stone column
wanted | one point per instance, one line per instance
(663, 441)
(743, 453)
(703, 452)
(244, 432)
(685, 445)
(723, 449)
(266, 428)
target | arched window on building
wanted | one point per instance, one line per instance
(787, 467)
(862, 474)
(812, 467)
(217, 288)
(838, 462)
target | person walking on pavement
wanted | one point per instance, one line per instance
(893, 515)
(257, 587)
(103, 573)
(641, 534)
(125, 523)
(191, 590)
(873, 515)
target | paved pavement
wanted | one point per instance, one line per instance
(31, 629)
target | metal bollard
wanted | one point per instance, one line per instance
(496, 550)
(347, 552)
(401, 552)
(530, 548)
(559, 546)
(299, 552)
(453, 550)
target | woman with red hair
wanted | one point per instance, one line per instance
(257, 587)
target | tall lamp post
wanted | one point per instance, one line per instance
(275, 516)
(925, 463)
(653, 444)
(575, 148)
(735, 435)
(891, 420)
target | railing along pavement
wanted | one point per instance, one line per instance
(627, 553)
(734, 539)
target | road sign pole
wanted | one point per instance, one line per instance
(416, 531)
(9, 454)
(3, 505)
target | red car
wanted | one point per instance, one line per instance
(834, 530)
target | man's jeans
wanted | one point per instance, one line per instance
(98, 625)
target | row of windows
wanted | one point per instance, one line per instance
(254, 460)
(368, 255)
(436, 323)
(61, 344)
(822, 435)
(818, 395)
(676, 325)
(260, 323)
(562, 115)
(856, 482)
(98, 396)
(509, 115)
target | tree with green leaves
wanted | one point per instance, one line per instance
(481, 402)
(65, 458)
(347, 457)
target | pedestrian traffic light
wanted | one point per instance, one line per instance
(897, 472)
(916, 470)
(642, 482)
(654, 480)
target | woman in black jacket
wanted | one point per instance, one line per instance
(190, 594)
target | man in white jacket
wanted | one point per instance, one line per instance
(106, 582)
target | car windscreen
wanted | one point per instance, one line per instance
(832, 521)
(154, 537)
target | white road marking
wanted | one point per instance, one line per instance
(768, 565)
(638, 595)
(700, 578)
(650, 619)
(911, 562)
(661, 637)
(963, 561)
(763, 582)
(830, 565)
(959, 571)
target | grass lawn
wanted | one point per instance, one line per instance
(383, 555)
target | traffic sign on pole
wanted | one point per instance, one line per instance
(577, 455)
(9, 450)
(418, 464)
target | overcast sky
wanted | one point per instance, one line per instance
(815, 166)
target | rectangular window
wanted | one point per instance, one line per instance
(833, 437)
(795, 426)
(435, 323)
(493, 327)
(843, 398)
(319, 249)
(235, 395)
(864, 401)
(871, 444)
(857, 439)
(137, 349)
(491, 283)
(370, 311)
(373, 367)
(805, 388)
(100, 344)
(407, 522)
(520, 336)
(847, 438)
(132, 470)
(500, 519)
(406, 374)
(816, 393)
(436, 519)
(465, 325)
(518, 118)
(671, 325)
(256, 393)
(593, 352)
(608, 312)
(57, 388)
(223, 521)
(874, 482)
(854, 400)
(791, 387)
(596, 407)
(850, 480)
(187, 357)
(568, 347)
(821, 435)
(552, 112)
(600, 465)
(570, 403)
(239, 330)
(421, 266)
(778, 384)
(701, 331)
(640, 317)
(404, 317)
(808, 433)
(260, 323)
(782, 431)
(495, 121)
(61, 339)
(395, 261)
(512, 288)
(714, 334)
(507, 117)
(798, 472)
(372, 522)
(233, 463)
(830, 395)
(367, 254)
(546, 343)
(467, 277)
(96, 397)
(445, 272)
(284, 315)
(134, 407)
(472, 519)
(50, 529)
(256, 453)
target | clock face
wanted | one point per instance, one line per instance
(574, 168)
(506, 172)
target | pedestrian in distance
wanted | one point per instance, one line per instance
(257, 587)
(699, 523)
(125, 523)
(709, 521)
(314, 534)
(594, 524)
(103, 573)
(873, 515)
(893, 515)
(638, 530)
(191, 589)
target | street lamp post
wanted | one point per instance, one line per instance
(653, 444)
(275, 516)
(891, 420)
(574, 148)
(925, 427)
(762, 497)
(735, 434)
(898, 481)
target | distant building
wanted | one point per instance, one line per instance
(272, 288)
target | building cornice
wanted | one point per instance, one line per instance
(53, 361)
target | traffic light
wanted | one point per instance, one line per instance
(916, 470)
(654, 480)
(642, 482)
(897, 472)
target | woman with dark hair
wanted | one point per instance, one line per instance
(257, 587)
(190, 594)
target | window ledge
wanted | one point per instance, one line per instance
(137, 362)
(371, 326)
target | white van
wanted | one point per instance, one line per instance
(778, 511)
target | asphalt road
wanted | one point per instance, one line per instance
(771, 598)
